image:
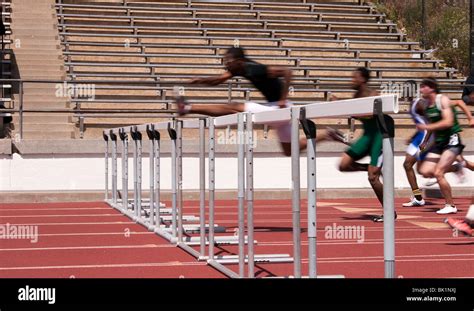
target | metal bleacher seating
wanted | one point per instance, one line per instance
(156, 41)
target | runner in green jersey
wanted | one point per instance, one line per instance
(448, 146)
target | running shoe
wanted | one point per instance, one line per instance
(337, 135)
(414, 202)
(460, 225)
(379, 218)
(447, 209)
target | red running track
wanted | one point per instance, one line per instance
(92, 240)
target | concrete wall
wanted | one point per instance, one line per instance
(75, 172)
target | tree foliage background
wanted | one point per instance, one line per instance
(446, 29)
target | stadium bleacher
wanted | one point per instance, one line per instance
(132, 50)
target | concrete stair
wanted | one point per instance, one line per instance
(39, 56)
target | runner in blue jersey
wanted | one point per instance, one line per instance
(414, 154)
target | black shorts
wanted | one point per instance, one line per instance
(452, 144)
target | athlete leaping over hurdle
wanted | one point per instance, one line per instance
(369, 144)
(272, 81)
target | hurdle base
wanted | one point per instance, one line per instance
(159, 230)
(218, 240)
(329, 276)
(187, 218)
(189, 250)
(145, 202)
(221, 268)
(264, 258)
(197, 229)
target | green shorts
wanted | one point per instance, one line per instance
(369, 144)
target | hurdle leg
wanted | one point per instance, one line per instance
(156, 217)
(212, 259)
(241, 191)
(202, 186)
(179, 175)
(152, 175)
(106, 157)
(295, 172)
(309, 129)
(124, 138)
(212, 172)
(135, 173)
(249, 195)
(157, 179)
(139, 171)
(389, 208)
(387, 128)
(114, 167)
(172, 133)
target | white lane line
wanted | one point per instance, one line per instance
(353, 242)
(54, 209)
(64, 215)
(77, 223)
(133, 265)
(88, 247)
(93, 233)
(398, 260)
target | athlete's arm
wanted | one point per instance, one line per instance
(425, 141)
(214, 80)
(465, 109)
(285, 73)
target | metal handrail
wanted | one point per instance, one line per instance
(251, 47)
(207, 37)
(234, 80)
(78, 112)
(286, 58)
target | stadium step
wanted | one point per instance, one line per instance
(47, 135)
(39, 53)
(38, 118)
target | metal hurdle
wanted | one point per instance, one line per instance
(142, 211)
(149, 212)
(245, 172)
(187, 243)
(376, 106)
